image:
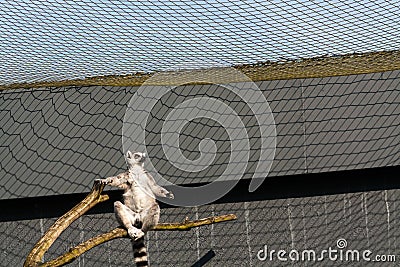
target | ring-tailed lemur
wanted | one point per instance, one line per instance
(140, 210)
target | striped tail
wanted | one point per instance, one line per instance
(140, 253)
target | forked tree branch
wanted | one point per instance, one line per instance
(35, 257)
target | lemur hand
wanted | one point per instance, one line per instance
(170, 195)
(103, 181)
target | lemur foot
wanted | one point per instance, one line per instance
(135, 233)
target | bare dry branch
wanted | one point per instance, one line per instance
(122, 233)
(35, 257)
(187, 225)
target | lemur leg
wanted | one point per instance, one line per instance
(128, 219)
(150, 217)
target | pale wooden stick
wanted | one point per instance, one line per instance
(78, 250)
(35, 257)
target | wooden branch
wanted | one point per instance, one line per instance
(119, 232)
(35, 257)
(187, 225)
(75, 252)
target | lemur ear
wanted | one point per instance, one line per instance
(128, 154)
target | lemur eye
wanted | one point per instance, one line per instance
(136, 156)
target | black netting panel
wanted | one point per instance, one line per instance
(329, 71)
(366, 220)
(58, 140)
(64, 40)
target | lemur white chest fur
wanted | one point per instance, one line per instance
(138, 196)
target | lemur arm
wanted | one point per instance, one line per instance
(122, 180)
(158, 190)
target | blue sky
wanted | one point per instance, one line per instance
(54, 40)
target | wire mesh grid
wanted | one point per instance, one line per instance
(366, 220)
(56, 138)
(66, 40)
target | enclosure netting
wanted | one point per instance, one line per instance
(65, 40)
(329, 72)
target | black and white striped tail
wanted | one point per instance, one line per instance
(140, 253)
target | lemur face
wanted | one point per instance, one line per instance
(135, 158)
